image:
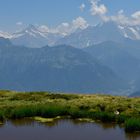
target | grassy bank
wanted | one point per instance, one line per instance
(106, 108)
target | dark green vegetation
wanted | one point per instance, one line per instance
(132, 125)
(105, 108)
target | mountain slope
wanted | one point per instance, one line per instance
(135, 94)
(94, 35)
(115, 56)
(5, 42)
(59, 68)
(37, 37)
(108, 31)
(32, 37)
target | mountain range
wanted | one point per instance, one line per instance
(59, 68)
(104, 58)
(35, 37)
(118, 58)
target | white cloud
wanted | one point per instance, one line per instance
(79, 23)
(19, 23)
(122, 19)
(136, 18)
(82, 7)
(65, 24)
(44, 28)
(97, 8)
(121, 12)
(136, 15)
(100, 10)
(66, 28)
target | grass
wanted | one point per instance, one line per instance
(132, 125)
(15, 105)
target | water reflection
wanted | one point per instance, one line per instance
(134, 136)
(31, 122)
(2, 124)
(63, 130)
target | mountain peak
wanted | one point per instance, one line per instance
(31, 27)
(30, 30)
(5, 34)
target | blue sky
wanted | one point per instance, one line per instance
(55, 12)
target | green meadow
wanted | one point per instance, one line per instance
(95, 107)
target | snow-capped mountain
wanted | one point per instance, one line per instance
(33, 37)
(5, 34)
(36, 37)
(131, 32)
(109, 31)
(31, 30)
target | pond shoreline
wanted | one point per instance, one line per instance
(43, 105)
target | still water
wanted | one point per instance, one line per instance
(63, 130)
